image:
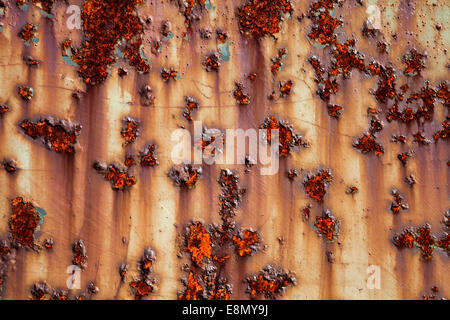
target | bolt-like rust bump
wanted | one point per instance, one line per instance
(107, 26)
(28, 33)
(414, 63)
(147, 157)
(58, 135)
(382, 47)
(9, 165)
(31, 62)
(40, 290)
(130, 130)
(404, 157)
(119, 178)
(327, 226)
(123, 269)
(25, 92)
(334, 110)
(323, 23)
(79, 254)
(24, 221)
(260, 18)
(277, 61)
(246, 242)
(238, 93)
(48, 243)
(376, 125)
(425, 241)
(222, 36)
(286, 88)
(292, 174)
(367, 143)
(420, 138)
(198, 242)
(444, 94)
(288, 139)
(411, 180)
(167, 74)
(147, 97)
(398, 204)
(399, 138)
(130, 161)
(316, 184)
(211, 62)
(185, 176)
(191, 105)
(444, 132)
(306, 212)
(269, 282)
(3, 109)
(352, 190)
(92, 288)
(122, 72)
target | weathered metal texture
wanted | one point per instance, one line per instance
(80, 204)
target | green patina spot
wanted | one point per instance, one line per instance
(224, 49)
(41, 212)
(169, 36)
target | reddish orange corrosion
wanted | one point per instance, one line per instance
(130, 130)
(26, 93)
(211, 62)
(120, 179)
(324, 24)
(346, 59)
(144, 285)
(327, 226)
(398, 203)
(269, 282)
(80, 256)
(198, 243)
(59, 136)
(260, 18)
(285, 88)
(352, 190)
(148, 156)
(276, 61)
(211, 142)
(414, 63)
(307, 212)
(191, 105)
(240, 96)
(106, 26)
(404, 157)
(367, 143)
(23, 222)
(185, 176)
(420, 138)
(28, 32)
(287, 137)
(316, 185)
(246, 243)
(167, 74)
(444, 132)
(190, 9)
(334, 111)
(194, 291)
(405, 239)
(141, 288)
(386, 81)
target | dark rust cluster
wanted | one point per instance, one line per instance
(368, 143)
(238, 93)
(185, 176)
(323, 23)
(23, 222)
(147, 157)
(191, 105)
(130, 130)
(28, 33)
(119, 178)
(270, 282)
(3, 110)
(398, 204)
(79, 254)
(58, 135)
(260, 18)
(25, 92)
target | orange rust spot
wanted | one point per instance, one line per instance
(323, 24)
(420, 138)
(40, 290)
(80, 255)
(222, 36)
(327, 226)
(346, 59)
(240, 96)
(28, 32)
(198, 243)
(130, 161)
(382, 47)
(352, 190)
(288, 139)
(148, 156)
(444, 132)
(3, 110)
(119, 178)
(285, 88)
(414, 63)
(260, 18)
(334, 110)
(48, 243)
(367, 143)
(211, 142)
(425, 241)
(142, 288)
(130, 130)
(212, 62)
(31, 62)
(25, 92)
(194, 291)
(57, 135)
(316, 185)
(269, 282)
(404, 157)
(191, 105)
(398, 203)
(246, 243)
(405, 239)
(23, 222)
(307, 212)
(167, 74)
(292, 174)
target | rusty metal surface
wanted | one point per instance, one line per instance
(80, 204)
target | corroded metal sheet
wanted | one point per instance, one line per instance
(367, 168)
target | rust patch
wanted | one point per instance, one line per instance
(185, 176)
(79, 254)
(144, 285)
(119, 178)
(327, 226)
(130, 130)
(269, 282)
(23, 222)
(316, 184)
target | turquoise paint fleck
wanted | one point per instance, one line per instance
(224, 49)
(41, 212)
(45, 14)
(169, 36)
